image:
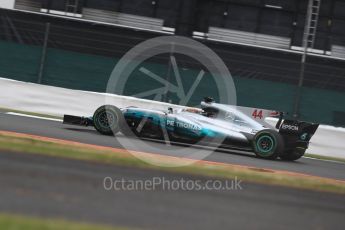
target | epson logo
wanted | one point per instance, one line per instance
(290, 127)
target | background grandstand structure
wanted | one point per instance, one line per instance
(75, 44)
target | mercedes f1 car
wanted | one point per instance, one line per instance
(225, 126)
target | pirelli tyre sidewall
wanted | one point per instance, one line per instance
(268, 144)
(107, 118)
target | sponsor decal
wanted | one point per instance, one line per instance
(179, 124)
(171, 123)
(290, 127)
(173, 47)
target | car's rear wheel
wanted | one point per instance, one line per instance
(107, 119)
(268, 144)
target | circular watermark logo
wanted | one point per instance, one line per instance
(175, 125)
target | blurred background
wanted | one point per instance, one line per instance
(76, 44)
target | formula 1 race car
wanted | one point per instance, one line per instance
(219, 125)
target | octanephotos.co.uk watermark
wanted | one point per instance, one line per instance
(167, 184)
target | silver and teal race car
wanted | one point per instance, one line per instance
(216, 125)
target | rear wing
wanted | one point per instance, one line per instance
(303, 130)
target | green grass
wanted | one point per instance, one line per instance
(33, 146)
(17, 222)
(28, 145)
(320, 157)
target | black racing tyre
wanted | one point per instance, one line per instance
(293, 155)
(268, 144)
(107, 119)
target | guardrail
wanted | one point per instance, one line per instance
(122, 19)
(249, 38)
(338, 51)
(29, 5)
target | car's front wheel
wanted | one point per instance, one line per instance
(107, 119)
(268, 144)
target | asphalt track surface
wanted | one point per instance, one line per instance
(88, 135)
(60, 188)
(63, 188)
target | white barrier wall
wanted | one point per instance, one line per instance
(7, 4)
(59, 101)
(328, 141)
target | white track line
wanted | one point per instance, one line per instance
(332, 161)
(32, 116)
